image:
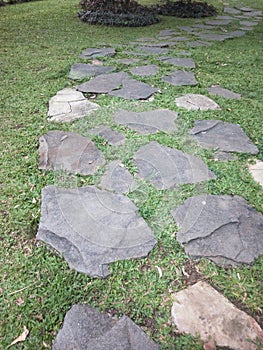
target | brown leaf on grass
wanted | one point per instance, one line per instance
(22, 337)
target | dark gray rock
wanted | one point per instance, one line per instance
(85, 328)
(203, 26)
(85, 70)
(148, 122)
(235, 34)
(245, 9)
(154, 50)
(180, 77)
(224, 156)
(128, 61)
(99, 52)
(133, 90)
(224, 229)
(180, 38)
(92, 228)
(166, 167)
(198, 43)
(186, 29)
(60, 150)
(194, 102)
(212, 36)
(248, 23)
(150, 69)
(155, 44)
(219, 22)
(178, 61)
(224, 136)
(231, 11)
(113, 137)
(218, 90)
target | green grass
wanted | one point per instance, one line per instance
(39, 43)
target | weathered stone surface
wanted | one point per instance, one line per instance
(200, 309)
(100, 52)
(231, 11)
(92, 228)
(150, 69)
(117, 178)
(178, 61)
(235, 34)
(224, 229)
(219, 22)
(212, 36)
(186, 29)
(148, 122)
(166, 167)
(154, 50)
(203, 26)
(85, 328)
(198, 43)
(218, 90)
(248, 23)
(194, 102)
(224, 156)
(180, 38)
(226, 137)
(134, 90)
(155, 44)
(68, 105)
(80, 71)
(60, 150)
(256, 171)
(113, 137)
(128, 61)
(180, 77)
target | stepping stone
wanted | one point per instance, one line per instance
(128, 61)
(134, 90)
(203, 26)
(201, 309)
(154, 44)
(165, 167)
(85, 328)
(256, 171)
(168, 32)
(149, 122)
(85, 70)
(100, 52)
(154, 50)
(212, 36)
(235, 34)
(60, 150)
(194, 44)
(224, 156)
(68, 105)
(150, 69)
(224, 136)
(195, 102)
(177, 61)
(113, 137)
(231, 11)
(218, 90)
(225, 17)
(180, 78)
(245, 9)
(180, 38)
(92, 228)
(248, 23)
(247, 28)
(186, 29)
(117, 178)
(219, 22)
(224, 229)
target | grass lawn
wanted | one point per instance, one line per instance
(39, 41)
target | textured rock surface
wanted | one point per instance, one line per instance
(180, 78)
(212, 36)
(85, 328)
(256, 171)
(178, 61)
(166, 167)
(148, 122)
(134, 90)
(194, 102)
(68, 105)
(224, 229)
(218, 90)
(200, 309)
(224, 156)
(92, 228)
(60, 150)
(80, 71)
(100, 52)
(150, 69)
(154, 50)
(226, 137)
(113, 137)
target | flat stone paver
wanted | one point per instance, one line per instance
(219, 22)
(194, 102)
(85, 328)
(68, 105)
(148, 122)
(200, 309)
(256, 171)
(165, 167)
(231, 11)
(224, 229)
(134, 90)
(212, 36)
(80, 71)
(224, 156)
(248, 23)
(113, 137)
(180, 78)
(68, 151)
(91, 53)
(154, 50)
(150, 69)
(92, 228)
(179, 61)
(220, 91)
(224, 136)
(128, 61)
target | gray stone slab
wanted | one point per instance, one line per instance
(60, 150)
(194, 102)
(186, 29)
(68, 105)
(256, 171)
(178, 61)
(154, 50)
(219, 22)
(218, 90)
(245, 9)
(203, 26)
(117, 178)
(180, 78)
(224, 156)
(148, 122)
(134, 90)
(248, 23)
(225, 17)
(85, 328)
(212, 36)
(92, 228)
(128, 61)
(91, 53)
(231, 11)
(80, 71)
(150, 69)
(200, 309)
(235, 34)
(180, 38)
(198, 43)
(247, 28)
(224, 229)
(224, 136)
(113, 137)
(165, 167)
(154, 44)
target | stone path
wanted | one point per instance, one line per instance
(96, 225)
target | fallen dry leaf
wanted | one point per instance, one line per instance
(22, 337)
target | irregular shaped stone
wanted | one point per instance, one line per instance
(224, 156)
(68, 105)
(219, 22)
(154, 50)
(117, 178)
(180, 38)
(245, 9)
(150, 69)
(256, 171)
(180, 78)
(212, 36)
(178, 61)
(235, 34)
(148, 122)
(134, 90)
(203, 26)
(200, 309)
(198, 43)
(165, 167)
(194, 102)
(128, 61)
(99, 52)
(155, 44)
(60, 150)
(84, 70)
(247, 28)
(113, 137)
(92, 228)
(231, 11)
(186, 29)
(224, 229)
(85, 328)
(218, 90)
(224, 136)
(248, 23)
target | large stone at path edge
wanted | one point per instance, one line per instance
(92, 228)
(85, 328)
(200, 309)
(194, 102)
(100, 52)
(134, 90)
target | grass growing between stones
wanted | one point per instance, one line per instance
(39, 43)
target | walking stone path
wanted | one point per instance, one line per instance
(96, 225)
